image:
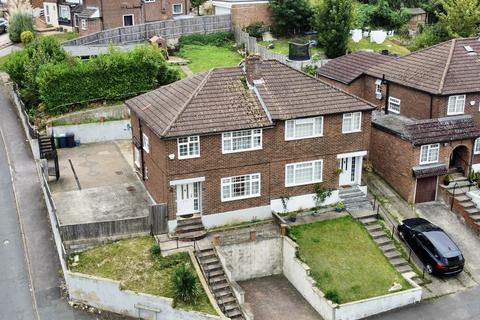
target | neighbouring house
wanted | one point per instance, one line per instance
(418, 16)
(429, 113)
(244, 12)
(228, 144)
(88, 16)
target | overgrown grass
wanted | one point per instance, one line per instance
(205, 57)
(344, 260)
(2, 62)
(64, 36)
(130, 262)
(388, 44)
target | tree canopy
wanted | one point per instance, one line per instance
(291, 16)
(461, 18)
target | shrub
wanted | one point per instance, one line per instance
(214, 39)
(26, 37)
(155, 250)
(291, 16)
(332, 295)
(429, 36)
(185, 284)
(112, 76)
(255, 29)
(19, 22)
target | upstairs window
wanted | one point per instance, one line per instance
(394, 105)
(456, 104)
(241, 187)
(303, 128)
(244, 140)
(476, 147)
(146, 143)
(352, 122)
(188, 147)
(429, 153)
(378, 89)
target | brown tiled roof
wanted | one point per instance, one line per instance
(442, 130)
(289, 93)
(446, 68)
(349, 67)
(214, 101)
(429, 170)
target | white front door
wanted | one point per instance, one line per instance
(188, 198)
(351, 171)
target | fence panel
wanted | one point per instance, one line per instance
(159, 218)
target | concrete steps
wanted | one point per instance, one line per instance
(218, 283)
(353, 198)
(466, 204)
(190, 229)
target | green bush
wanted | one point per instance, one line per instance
(332, 295)
(19, 22)
(429, 36)
(185, 284)
(255, 29)
(155, 250)
(26, 37)
(112, 76)
(214, 39)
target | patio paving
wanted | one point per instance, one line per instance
(274, 297)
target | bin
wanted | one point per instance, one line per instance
(62, 141)
(70, 140)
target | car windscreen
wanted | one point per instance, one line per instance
(444, 245)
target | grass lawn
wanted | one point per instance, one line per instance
(281, 45)
(64, 36)
(207, 57)
(388, 44)
(2, 62)
(130, 262)
(344, 260)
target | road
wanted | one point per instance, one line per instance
(459, 306)
(29, 275)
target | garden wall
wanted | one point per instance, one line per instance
(106, 294)
(298, 274)
(96, 132)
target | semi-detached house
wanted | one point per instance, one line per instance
(227, 144)
(428, 117)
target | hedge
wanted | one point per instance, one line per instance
(111, 76)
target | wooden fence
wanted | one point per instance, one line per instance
(169, 29)
(252, 47)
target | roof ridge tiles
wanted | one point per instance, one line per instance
(447, 66)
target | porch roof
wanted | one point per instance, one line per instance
(431, 170)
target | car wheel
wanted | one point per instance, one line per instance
(429, 268)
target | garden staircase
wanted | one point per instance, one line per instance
(48, 151)
(354, 198)
(218, 283)
(386, 244)
(190, 229)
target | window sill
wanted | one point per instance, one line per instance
(355, 131)
(455, 113)
(189, 157)
(304, 138)
(426, 163)
(238, 151)
(241, 198)
(302, 184)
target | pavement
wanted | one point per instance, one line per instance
(34, 266)
(274, 297)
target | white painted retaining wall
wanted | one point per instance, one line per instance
(298, 274)
(254, 259)
(96, 132)
(106, 294)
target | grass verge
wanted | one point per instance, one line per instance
(63, 36)
(344, 260)
(388, 44)
(206, 57)
(130, 262)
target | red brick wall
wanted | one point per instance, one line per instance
(357, 87)
(246, 14)
(269, 162)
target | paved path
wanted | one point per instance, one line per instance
(459, 306)
(43, 265)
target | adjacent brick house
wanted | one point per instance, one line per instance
(244, 13)
(228, 144)
(88, 16)
(436, 91)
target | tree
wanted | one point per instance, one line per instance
(185, 284)
(197, 4)
(461, 18)
(19, 22)
(290, 16)
(333, 22)
(385, 16)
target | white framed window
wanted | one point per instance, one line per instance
(244, 140)
(378, 88)
(188, 147)
(241, 187)
(136, 157)
(177, 8)
(303, 128)
(148, 1)
(394, 105)
(146, 143)
(456, 104)
(352, 122)
(429, 153)
(476, 146)
(301, 173)
(84, 24)
(128, 20)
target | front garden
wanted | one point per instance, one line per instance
(345, 262)
(139, 267)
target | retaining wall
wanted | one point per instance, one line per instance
(96, 132)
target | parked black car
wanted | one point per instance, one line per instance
(433, 246)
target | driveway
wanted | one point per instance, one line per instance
(469, 243)
(276, 298)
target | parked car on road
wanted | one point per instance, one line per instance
(433, 246)
(3, 25)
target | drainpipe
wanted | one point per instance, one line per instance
(141, 148)
(101, 14)
(431, 106)
(471, 158)
(386, 93)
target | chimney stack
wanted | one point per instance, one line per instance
(253, 66)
